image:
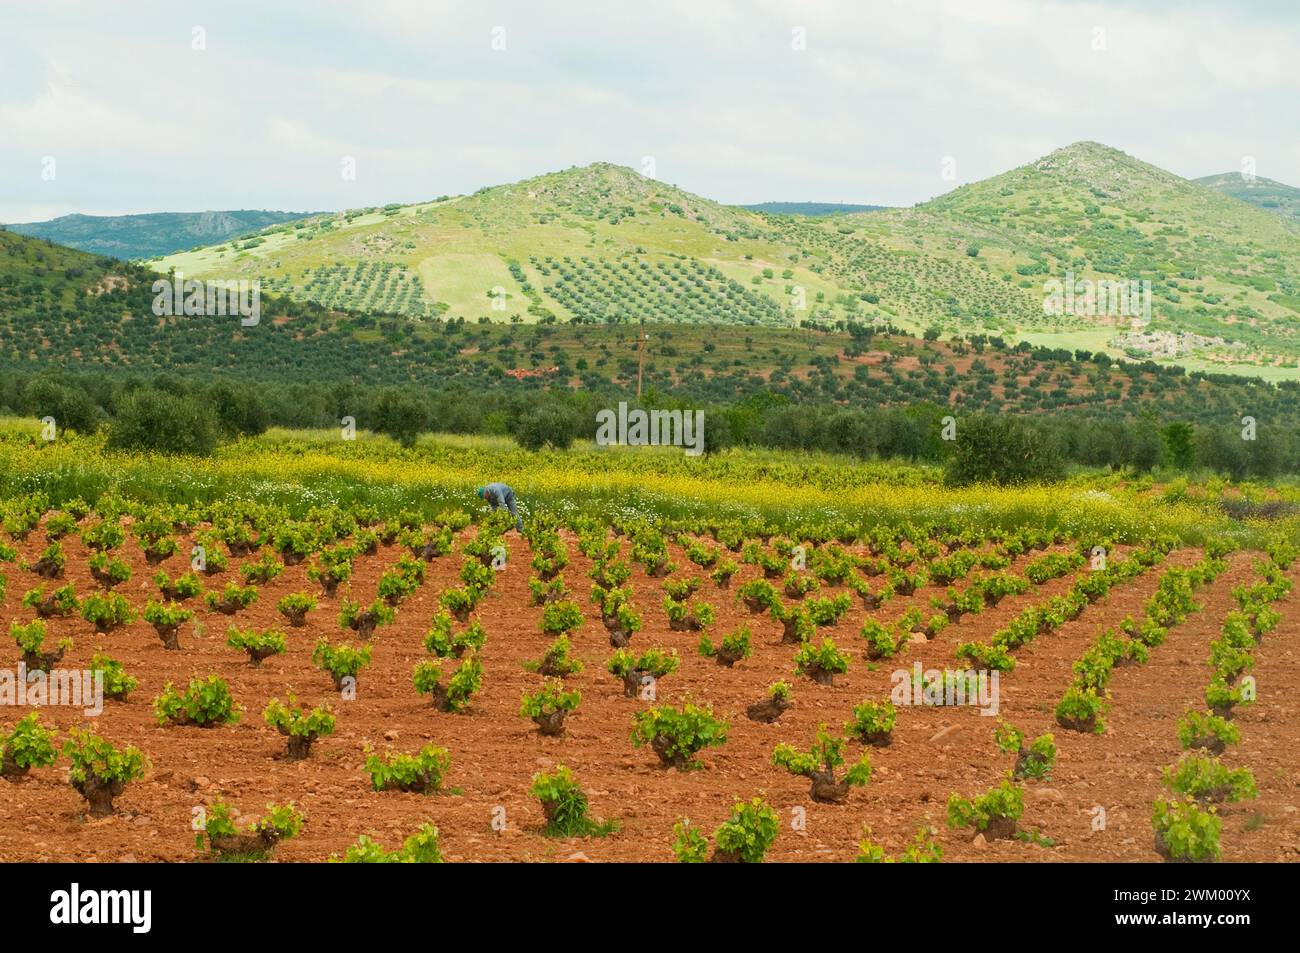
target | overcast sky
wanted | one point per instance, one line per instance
(740, 102)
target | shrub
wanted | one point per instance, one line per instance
(259, 644)
(103, 536)
(422, 773)
(681, 589)
(420, 848)
(796, 585)
(1222, 696)
(460, 688)
(155, 421)
(722, 574)
(300, 726)
(993, 814)
(677, 734)
(231, 599)
(758, 595)
(117, 683)
(1035, 761)
(331, 567)
(342, 662)
(295, 607)
(884, 641)
(29, 745)
(1185, 832)
(689, 845)
(365, 621)
(734, 647)
(678, 614)
(185, 586)
(99, 771)
(827, 610)
(166, 620)
(1207, 731)
(261, 570)
(983, 656)
(441, 641)
(30, 638)
(559, 618)
(461, 601)
(556, 661)
(1208, 779)
(294, 541)
(548, 706)
(1081, 710)
(822, 663)
(398, 584)
(873, 723)
(922, 850)
(258, 839)
(744, 837)
(773, 706)
(634, 669)
(819, 765)
(108, 571)
(565, 806)
(205, 703)
(544, 592)
(61, 602)
(50, 563)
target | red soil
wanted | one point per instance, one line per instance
(495, 751)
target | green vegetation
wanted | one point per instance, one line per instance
(993, 814)
(100, 772)
(301, 727)
(206, 703)
(29, 745)
(744, 837)
(820, 765)
(565, 806)
(422, 773)
(677, 734)
(420, 848)
(258, 839)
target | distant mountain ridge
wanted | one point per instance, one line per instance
(1271, 196)
(153, 234)
(814, 209)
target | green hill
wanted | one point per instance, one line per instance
(147, 236)
(90, 320)
(598, 244)
(1218, 268)
(602, 244)
(1271, 196)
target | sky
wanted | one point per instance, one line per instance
(181, 106)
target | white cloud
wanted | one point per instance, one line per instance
(141, 121)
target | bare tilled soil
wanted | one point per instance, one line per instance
(495, 751)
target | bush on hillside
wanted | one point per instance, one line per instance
(151, 420)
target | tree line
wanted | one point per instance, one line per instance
(179, 414)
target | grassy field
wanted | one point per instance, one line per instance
(305, 469)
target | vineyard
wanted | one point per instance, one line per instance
(631, 289)
(339, 679)
(377, 286)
